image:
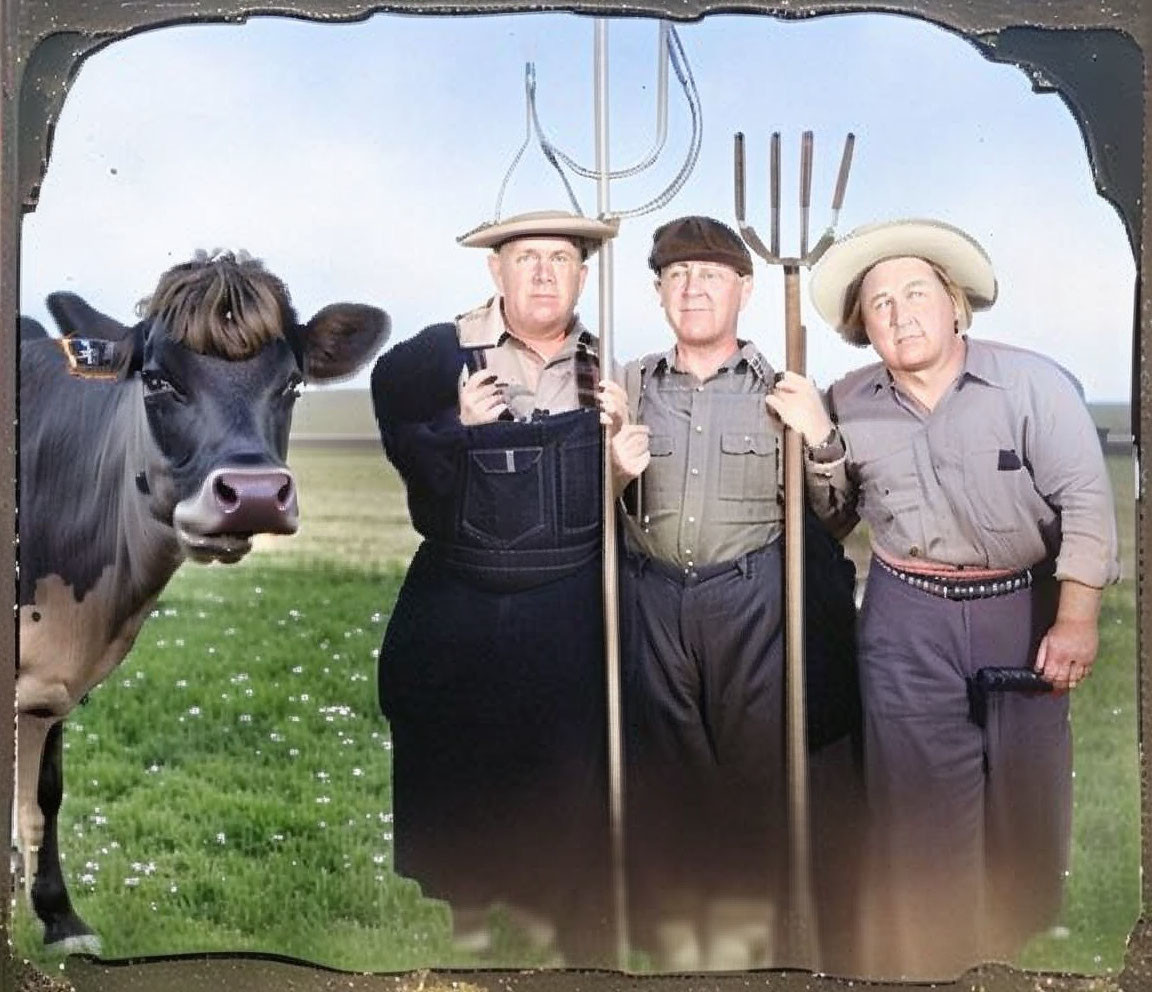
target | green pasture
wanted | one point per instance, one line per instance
(228, 787)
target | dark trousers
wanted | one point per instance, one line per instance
(969, 827)
(497, 708)
(704, 734)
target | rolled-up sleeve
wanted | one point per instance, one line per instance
(1069, 471)
(831, 491)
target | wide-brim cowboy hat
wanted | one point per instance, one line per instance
(839, 270)
(542, 224)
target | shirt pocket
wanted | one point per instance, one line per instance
(748, 466)
(503, 501)
(1002, 499)
(891, 501)
(663, 479)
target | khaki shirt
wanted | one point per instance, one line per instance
(712, 489)
(1005, 472)
(534, 383)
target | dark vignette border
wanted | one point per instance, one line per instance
(1090, 51)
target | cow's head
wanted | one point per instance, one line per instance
(219, 358)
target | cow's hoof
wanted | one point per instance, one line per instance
(70, 935)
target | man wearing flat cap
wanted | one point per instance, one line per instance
(705, 691)
(491, 672)
(978, 470)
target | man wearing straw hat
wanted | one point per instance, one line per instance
(979, 472)
(704, 696)
(491, 672)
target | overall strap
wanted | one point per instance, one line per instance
(587, 368)
(474, 359)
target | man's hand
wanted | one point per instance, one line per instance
(630, 455)
(1068, 651)
(613, 406)
(481, 399)
(796, 401)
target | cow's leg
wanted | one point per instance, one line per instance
(64, 931)
(32, 732)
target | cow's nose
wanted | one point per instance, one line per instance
(254, 501)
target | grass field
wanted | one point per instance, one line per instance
(228, 787)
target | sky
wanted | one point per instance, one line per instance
(349, 157)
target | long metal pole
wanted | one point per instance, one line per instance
(10, 204)
(803, 934)
(611, 594)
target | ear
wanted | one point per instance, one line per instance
(745, 291)
(340, 340)
(74, 316)
(583, 277)
(494, 271)
(102, 358)
(31, 330)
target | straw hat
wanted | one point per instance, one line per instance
(839, 270)
(542, 224)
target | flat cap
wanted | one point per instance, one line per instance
(698, 239)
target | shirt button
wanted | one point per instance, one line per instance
(914, 551)
(699, 429)
(688, 551)
(699, 389)
(691, 520)
(695, 471)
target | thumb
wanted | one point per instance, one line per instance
(1041, 655)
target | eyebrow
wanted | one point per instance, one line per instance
(917, 282)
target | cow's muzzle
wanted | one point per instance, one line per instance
(231, 505)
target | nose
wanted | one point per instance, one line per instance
(543, 271)
(255, 502)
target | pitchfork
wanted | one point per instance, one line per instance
(802, 919)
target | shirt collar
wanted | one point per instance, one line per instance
(485, 327)
(979, 363)
(747, 353)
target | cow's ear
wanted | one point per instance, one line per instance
(340, 340)
(100, 358)
(30, 329)
(74, 316)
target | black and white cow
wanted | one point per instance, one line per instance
(139, 447)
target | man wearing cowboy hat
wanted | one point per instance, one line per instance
(978, 470)
(705, 700)
(491, 671)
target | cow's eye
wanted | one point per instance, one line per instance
(155, 383)
(293, 387)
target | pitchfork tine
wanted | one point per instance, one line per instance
(747, 232)
(738, 160)
(774, 191)
(842, 178)
(805, 188)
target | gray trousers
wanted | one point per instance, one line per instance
(704, 733)
(969, 827)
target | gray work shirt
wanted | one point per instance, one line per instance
(1005, 472)
(712, 489)
(534, 383)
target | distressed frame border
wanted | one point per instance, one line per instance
(1092, 53)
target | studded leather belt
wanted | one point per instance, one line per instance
(947, 587)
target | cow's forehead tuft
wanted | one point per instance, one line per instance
(221, 305)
